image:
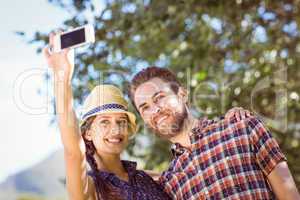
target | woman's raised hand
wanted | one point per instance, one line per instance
(61, 62)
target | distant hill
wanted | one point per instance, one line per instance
(44, 180)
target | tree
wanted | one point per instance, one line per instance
(227, 53)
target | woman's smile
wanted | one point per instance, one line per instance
(114, 140)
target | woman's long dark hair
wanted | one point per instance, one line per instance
(104, 190)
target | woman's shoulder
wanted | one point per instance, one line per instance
(153, 174)
(131, 167)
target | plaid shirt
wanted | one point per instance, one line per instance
(228, 159)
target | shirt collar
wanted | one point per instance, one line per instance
(177, 149)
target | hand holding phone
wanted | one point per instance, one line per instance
(62, 63)
(60, 54)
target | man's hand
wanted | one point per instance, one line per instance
(238, 112)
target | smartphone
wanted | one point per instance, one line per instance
(74, 38)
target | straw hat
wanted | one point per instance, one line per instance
(106, 99)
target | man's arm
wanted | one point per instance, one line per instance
(283, 183)
(271, 160)
(277, 170)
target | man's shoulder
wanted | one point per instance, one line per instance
(236, 115)
(239, 114)
(219, 124)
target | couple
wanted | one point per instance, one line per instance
(232, 158)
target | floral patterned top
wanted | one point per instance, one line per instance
(140, 185)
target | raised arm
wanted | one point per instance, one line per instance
(79, 185)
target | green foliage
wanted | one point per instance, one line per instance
(235, 53)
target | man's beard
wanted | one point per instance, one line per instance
(174, 127)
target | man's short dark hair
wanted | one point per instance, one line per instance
(150, 73)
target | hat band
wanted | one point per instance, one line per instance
(104, 107)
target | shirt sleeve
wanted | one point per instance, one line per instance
(265, 147)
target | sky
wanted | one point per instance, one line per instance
(26, 136)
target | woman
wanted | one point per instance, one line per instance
(105, 128)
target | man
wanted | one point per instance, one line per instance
(226, 159)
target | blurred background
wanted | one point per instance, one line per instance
(243, 53)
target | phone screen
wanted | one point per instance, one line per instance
(72, 38)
